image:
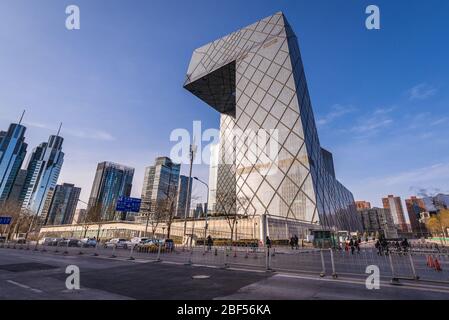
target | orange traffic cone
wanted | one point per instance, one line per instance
(437, 265)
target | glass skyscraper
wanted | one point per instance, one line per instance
(111, 181)
(44, 166)
(12, 153)
(160, 183)
(63, 204)
(182, 197)
(255, 79)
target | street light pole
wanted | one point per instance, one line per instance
(148, 219)
(192, 153)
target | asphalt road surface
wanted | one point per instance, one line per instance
(27, 274)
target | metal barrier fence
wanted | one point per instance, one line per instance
(413, 264)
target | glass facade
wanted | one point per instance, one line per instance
(182, 198)
(213, 173)
(111, 181)
(63, 204)
(255, 78)
(160, 182)
(43, 170)
(12, 153)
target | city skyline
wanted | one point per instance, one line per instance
(350, 116)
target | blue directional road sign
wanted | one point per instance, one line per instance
(5, 220)
(127, 204)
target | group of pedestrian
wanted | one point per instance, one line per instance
(353, 245)
(294, 242)
(383, 246)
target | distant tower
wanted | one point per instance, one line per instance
(160, 182)
(63, 205)
(12, 153)
(43, 169)
(394, 204)
(111, 181)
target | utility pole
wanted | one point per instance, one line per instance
(192, 153)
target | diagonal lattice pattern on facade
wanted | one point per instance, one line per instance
(255, 78)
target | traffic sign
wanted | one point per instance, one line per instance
(5, 220)
(127, 204)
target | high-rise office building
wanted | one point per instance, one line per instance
(361, 205)
(213, 173)
(12, 153)
(111, 181)
(254, 77)
(160, 183)
(395, 205)
(416, 206)
(378, 220)
(63, 204)
(182, 197)
(80, 216)
(44, 166)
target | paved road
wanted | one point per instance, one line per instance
(36, 275)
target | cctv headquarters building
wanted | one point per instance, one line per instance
(255, 79)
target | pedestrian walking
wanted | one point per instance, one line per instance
(268, 242)
(351, 244)
(292, 242)
(378, 247)
(296, 242)
(210, 242)
(357, 245)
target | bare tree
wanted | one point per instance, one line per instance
(157, 215)
(231, 207)
(93, 215)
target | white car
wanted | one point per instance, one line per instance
(118, 243)
(137, 240)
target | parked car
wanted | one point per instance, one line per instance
(88, 243)
(118, 243)
(69, 243)
(21, 240)
(45, 241)
(137, 240)
(149, 245)
(2, 239)
(55, 241)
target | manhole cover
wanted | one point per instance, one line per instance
(23, 267)
(201, 276)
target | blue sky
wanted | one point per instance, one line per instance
(380, 97)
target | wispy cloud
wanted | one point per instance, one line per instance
(337, 111)
(434, 172)
(90, 134)
(383, 110)
(440, 121)
(372, 125)
(81, 133)
(426, 192)
(422, 91)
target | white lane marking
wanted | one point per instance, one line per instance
(24, 286)
(409, 286)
